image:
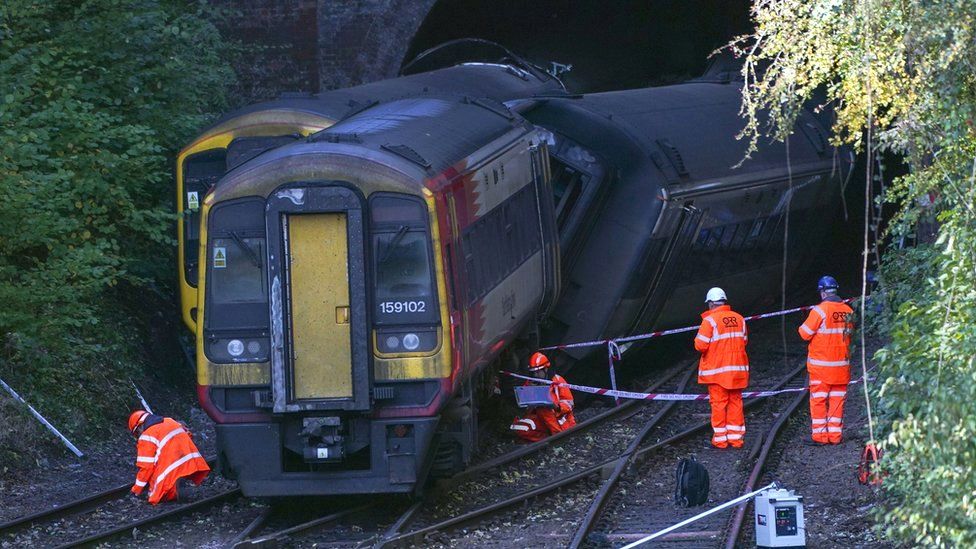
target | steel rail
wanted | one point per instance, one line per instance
(735, 525)
(251, 527)
(71, 508)
(610, 484)
(276, 538)
(572, 478)
(105, 535)
(626, 410)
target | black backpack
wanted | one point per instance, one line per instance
(691, 486)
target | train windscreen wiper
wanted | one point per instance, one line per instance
(247, 249)
(401, 232)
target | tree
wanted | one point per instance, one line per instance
(901, 76)
(97, 97)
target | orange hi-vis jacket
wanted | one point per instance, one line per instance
(828, 328)
(165, 454)
(722, 339)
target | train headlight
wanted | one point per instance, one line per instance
(411, 342)
(392, 342)
(235, 347)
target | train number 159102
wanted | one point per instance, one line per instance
(388, 307)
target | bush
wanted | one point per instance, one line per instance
(98, 95)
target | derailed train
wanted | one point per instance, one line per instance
(356, 282)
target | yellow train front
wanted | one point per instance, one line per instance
(354, 285)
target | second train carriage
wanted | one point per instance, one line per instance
(356, 281)
(653, 210)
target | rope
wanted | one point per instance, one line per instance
(867, 213)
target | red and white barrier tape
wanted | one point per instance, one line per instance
(650, 335)
(659, 396)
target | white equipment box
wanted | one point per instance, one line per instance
(779, 519)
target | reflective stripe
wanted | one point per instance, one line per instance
(735, 436)
(724, 369)
(807, 330)
(820, 312)
(567, 403)
(816, 362)
(736, 427)
(838, 393)
(141, 459)
(718, 429)
(819, 395)
(174, 465)
(834, 430)
(722, 438)
(148, 438)
(729, 335)
(561, 420)
(712, 322)
(835, 420)
(831, 331)
(815, 382)
(530, 423)
(169, 436)
(703, 338)
(140, 483)
(819, 421)
(518, 427)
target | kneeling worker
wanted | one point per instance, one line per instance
(724, 367)
(828, 329)
(166, 454)
(542, 421)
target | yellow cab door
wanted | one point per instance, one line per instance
(318, 266)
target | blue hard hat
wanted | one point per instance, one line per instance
(827, 283)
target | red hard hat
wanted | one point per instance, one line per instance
(538, 361)
(136, 418)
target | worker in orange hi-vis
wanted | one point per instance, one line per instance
(828, 328)
(539, 421)
(724, 367)
(166, 454)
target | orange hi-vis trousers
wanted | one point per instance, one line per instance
(827, 411)
(728, 422)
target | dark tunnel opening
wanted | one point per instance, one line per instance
(610, 45)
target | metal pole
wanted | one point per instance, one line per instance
(40, 418)
(725, 505)
(145, 404)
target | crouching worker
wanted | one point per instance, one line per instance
(166, 454)
(538, 422)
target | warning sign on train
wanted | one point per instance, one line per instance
(192, 200)
(219, 258)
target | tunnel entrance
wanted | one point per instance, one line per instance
(610, 45)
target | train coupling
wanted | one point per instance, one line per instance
(323, 443)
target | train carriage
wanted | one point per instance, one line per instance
(247, 132)
(356, 281)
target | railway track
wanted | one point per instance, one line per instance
(627, 513)
(582, 464)
(635, 454)
(407, 513)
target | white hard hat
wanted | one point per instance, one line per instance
(715, 294)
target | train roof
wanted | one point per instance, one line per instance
(498, 82)
(687, 130)
(417, 136)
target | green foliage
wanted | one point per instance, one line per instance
(905, 70)
(98, 95)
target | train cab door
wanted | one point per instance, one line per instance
(320, 359)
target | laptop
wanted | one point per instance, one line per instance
(533, 395)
